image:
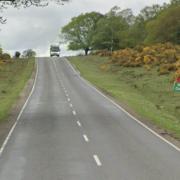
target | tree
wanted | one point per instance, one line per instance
(29, 53)
(175, 2)
(150, 12)
(166, 27)
(17, 54)
(4, 56)
(80, 31)
(127, 15)
(137, 32)
(110, 31)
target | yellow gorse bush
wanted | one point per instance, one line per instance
(166, 56)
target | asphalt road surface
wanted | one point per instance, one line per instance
(68, 131)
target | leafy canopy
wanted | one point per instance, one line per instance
(166, 27)
(110, 29)
(109, 33)
(79, 32)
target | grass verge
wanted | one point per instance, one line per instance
(145, 92)
(13, 78)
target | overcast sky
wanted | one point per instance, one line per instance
(37, 28)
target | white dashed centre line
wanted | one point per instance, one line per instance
(74, 112)
(97, 160)
(86, 138)
(70, 105)
(79, 124)
(68, 99)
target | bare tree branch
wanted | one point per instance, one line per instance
(4, 4)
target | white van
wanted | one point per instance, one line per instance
(54, 51)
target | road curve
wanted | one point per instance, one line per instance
(68, 131)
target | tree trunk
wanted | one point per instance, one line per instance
(86, 51)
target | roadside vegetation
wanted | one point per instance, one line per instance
(146, 92)
(14, 74)
(120, 28)
(134, 59)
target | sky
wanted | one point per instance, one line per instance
(38, 28)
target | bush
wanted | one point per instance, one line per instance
(166, 56)
(166, 68)
(5, 56)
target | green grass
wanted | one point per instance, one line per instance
(13, 78)
(145, 92)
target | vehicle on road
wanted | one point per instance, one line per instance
(54, 50)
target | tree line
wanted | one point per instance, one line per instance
(29, 53)
(120, 29)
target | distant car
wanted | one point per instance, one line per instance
(54, 51)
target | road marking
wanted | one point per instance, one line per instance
(122, 109)
(67, 95)
(69, 99)
(74, 112)
(70, 105)
(20, 114)
(97, 160)
(86, 138)
(79, 124)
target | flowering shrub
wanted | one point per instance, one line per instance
(166, 56)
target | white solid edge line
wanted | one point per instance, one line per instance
(85, 138)
(20, 113)
(79, 124)
(122, 109)
(74, 112)
(97, 160)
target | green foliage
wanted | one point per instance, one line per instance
(29, 53)
(166, 27)
(120, 29)
(150, 12)
(13, 77)
(80, 30)
(17, 54)
(109, 33)
(175, 1)
(147, 93)
(138, 32)
(4, 56)
(111, 29)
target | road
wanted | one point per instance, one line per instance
(68, 131)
